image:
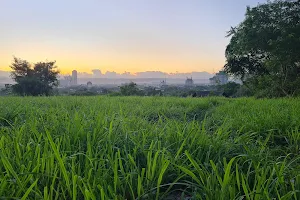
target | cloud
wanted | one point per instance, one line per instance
(194, 75)
(126, 75)
(151, 74)
(96, 73)
(83, 75)
(109, 74)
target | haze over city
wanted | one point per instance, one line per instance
(170, 36)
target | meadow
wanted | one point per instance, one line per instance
(149, 148)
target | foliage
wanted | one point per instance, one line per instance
(149, 148)
(152, 91)
(197, 91)
(37, 80)
(135, 90)
(7, 90)
(229, 89)
(130, 89)
(265, 49)
(244, 91)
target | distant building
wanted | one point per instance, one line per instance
(220, 78)
(74, 77)
(163, 84)
(189, 82)
(89, 84)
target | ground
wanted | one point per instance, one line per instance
(149, 148)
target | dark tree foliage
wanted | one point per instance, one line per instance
(130, 89)
(35, 80)
(264, 50)
(229, 89)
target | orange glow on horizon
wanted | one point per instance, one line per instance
(68, 70)
(134, 66)
(84, 58)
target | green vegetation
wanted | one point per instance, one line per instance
(130, 89)
(35, 80)
(149, 148)
(264, 50)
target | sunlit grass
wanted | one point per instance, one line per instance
(149, 148)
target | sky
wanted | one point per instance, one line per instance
(120, 35)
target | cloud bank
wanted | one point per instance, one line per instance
(97, 73)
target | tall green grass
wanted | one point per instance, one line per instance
(149, 148)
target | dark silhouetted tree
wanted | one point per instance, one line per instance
(33, 81)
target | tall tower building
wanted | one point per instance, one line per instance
(74, 77)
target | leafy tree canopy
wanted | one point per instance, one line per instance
(264, 49)
(34, 80)
(130, 89)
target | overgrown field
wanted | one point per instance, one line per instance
(149, 148)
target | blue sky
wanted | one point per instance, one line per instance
(120, 35)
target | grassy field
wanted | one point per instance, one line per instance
(149, 148)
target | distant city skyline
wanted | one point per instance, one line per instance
(146, 74)
(120, 36)
(110, 77)
(96, 73)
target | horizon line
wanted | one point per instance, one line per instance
(123, 73)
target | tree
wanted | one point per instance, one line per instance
(130, 89)
(229, 89)
(264, 50)
(37, 80)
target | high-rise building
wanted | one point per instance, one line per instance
(74, 77)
